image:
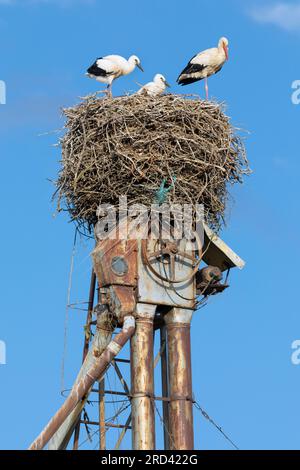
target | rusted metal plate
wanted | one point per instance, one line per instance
(154, 289)
(115, 262)
(122, 301)
(217, 253)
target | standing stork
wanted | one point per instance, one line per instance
(109, 68)
(205, 64)
(154, 88)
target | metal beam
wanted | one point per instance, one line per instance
(82, 388)
(142, 380)
(123, 432)
(107, 425)
(180, 379)
(102, 431)
(165, 385)
(128, 421)
(102, 338)
(110, 392)
(120, 377)
(86, 345)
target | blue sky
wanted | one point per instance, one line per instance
(242, 370)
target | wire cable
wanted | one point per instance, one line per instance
(67, 313)
(219, 428)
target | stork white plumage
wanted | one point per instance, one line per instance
(109, 68)
(156, 87)
(205, 64)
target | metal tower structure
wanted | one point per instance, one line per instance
(145, 287)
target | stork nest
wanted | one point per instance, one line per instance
(129, 145)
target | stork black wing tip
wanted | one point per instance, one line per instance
(180, 81)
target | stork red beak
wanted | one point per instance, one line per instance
(226, 51)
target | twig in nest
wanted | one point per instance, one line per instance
(128, 145)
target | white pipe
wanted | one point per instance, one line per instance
(80, 389)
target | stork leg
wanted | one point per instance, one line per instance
(206, 88)
(108, 90)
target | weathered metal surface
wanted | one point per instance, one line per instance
(121, 378)
(208, 281)
(165, 385)
(115, 262)
(128, 421)
(166, 278)
(82, 388)
(111, 392)
(122, 300)
(153, 287)
(102, 429)
(89, 313)
(217, 253)
(125, 361)
(142, 380)
(180, 379)
(211, 289)
(209, 274)
(76, 436)
(85, 352)
(123, 432)
(107, 425)
(101, 340)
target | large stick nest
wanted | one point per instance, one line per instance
(128, 145)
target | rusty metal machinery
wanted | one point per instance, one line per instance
(144, 285)
(144, 277)
(158, 281)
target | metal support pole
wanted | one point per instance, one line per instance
(142, 379)
(180, 379)
(165, 385)
(102, 431)
(82, 387)
(89, 313)
(86, 344)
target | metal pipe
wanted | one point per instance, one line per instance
(165, 385)
(101, 340)
(180, 379)
(80, 389)
(142, 380)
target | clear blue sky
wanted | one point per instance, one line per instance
(242, 372)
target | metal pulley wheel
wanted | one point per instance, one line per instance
(170, 249)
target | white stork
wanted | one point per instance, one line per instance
(205, 64)
(107, 69)
(157, 87)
